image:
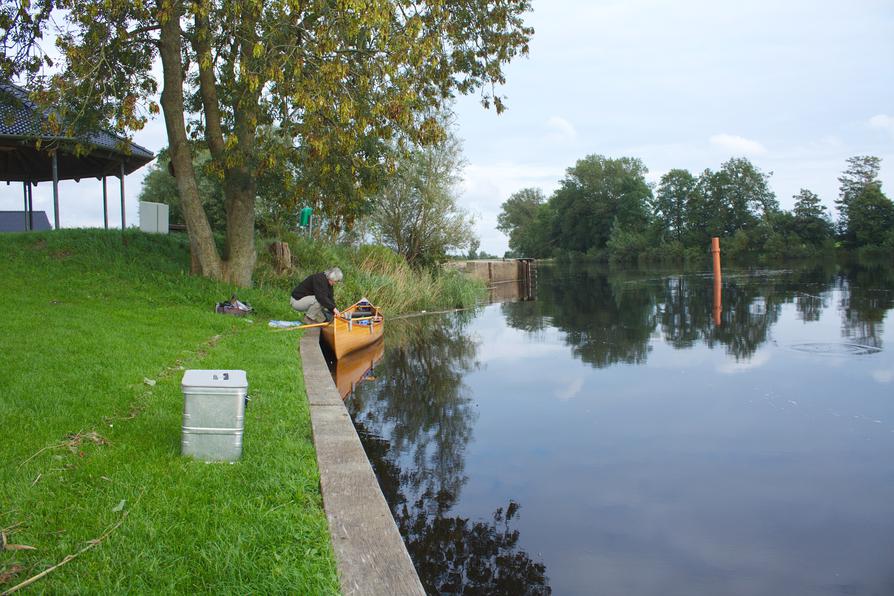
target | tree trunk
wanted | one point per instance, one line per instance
(201, 239)
(239, 189)
(282, 257)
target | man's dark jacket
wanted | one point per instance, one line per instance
(317, 285)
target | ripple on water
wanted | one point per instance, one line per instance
(835, 349)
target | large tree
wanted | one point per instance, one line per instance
(736, 197)
(862, 172)
(335, 76)
(871, 218)
(596, 193)
(811, 219)
(517, 218)
(669, 205)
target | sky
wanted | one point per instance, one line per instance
(796, 87)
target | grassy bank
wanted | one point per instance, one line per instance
(374, 272)
(97, 330)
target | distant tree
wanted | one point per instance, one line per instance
(416, 210)
(669, 205)
(520, 219)
(517, 215)
(811, 218)
(871, 216)
(736, 197)
(746, 194)
(473, 248)
(704, 210)
(596, 193)
(862, 171)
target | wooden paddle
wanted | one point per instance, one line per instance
(303, 326)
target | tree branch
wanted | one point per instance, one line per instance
(208, 87)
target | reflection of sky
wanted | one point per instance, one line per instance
(499, 342)
(691, 473)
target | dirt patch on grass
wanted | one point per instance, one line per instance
(73, 442)
(10, 573)
(76, 440)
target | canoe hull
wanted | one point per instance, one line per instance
(344, 336)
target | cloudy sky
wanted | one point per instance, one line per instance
(797, 87)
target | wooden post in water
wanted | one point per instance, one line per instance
(715, 252)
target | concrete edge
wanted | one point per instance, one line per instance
(369, 551)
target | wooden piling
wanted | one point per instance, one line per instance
(715, 252)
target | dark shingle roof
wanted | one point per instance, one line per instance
(22, 123)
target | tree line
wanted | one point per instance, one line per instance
(604, 208)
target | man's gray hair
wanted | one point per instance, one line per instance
(334, 274)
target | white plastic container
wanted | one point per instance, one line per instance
(213, 414)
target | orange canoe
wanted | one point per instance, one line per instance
(355, 327)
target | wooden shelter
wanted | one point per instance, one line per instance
(28, 154)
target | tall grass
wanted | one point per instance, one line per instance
(374, 272)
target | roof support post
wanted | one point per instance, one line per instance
(25, 212)
(30, 205)
(105, 204)
(56, 189)
(123, 223)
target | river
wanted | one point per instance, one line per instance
(625, 432)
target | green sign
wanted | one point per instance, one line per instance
(304, 220)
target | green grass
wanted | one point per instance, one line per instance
(96, 332)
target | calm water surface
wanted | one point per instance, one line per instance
(607, 437)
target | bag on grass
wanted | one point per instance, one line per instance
(233, 306)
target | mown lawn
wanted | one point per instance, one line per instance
(97, 329)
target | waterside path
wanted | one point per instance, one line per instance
(370, 554)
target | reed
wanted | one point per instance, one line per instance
(374, 272)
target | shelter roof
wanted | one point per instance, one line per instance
(22, 124)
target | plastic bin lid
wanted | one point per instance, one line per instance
(217, 379)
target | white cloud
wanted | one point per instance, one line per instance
(883, 376)
(570, 390)
(883, 122)
(732, 366)
(738, 145)
(560, 129)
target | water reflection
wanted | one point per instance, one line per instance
(609, 316)
(356, 367)
(609, 437)
(511, 291)
(424, 408)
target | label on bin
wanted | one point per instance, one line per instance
(214, 379)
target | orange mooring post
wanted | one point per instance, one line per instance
(715, 251)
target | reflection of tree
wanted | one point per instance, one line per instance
(465, 557)
(608, 315)
(867, 296)
(415, 423)
(605, 319)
